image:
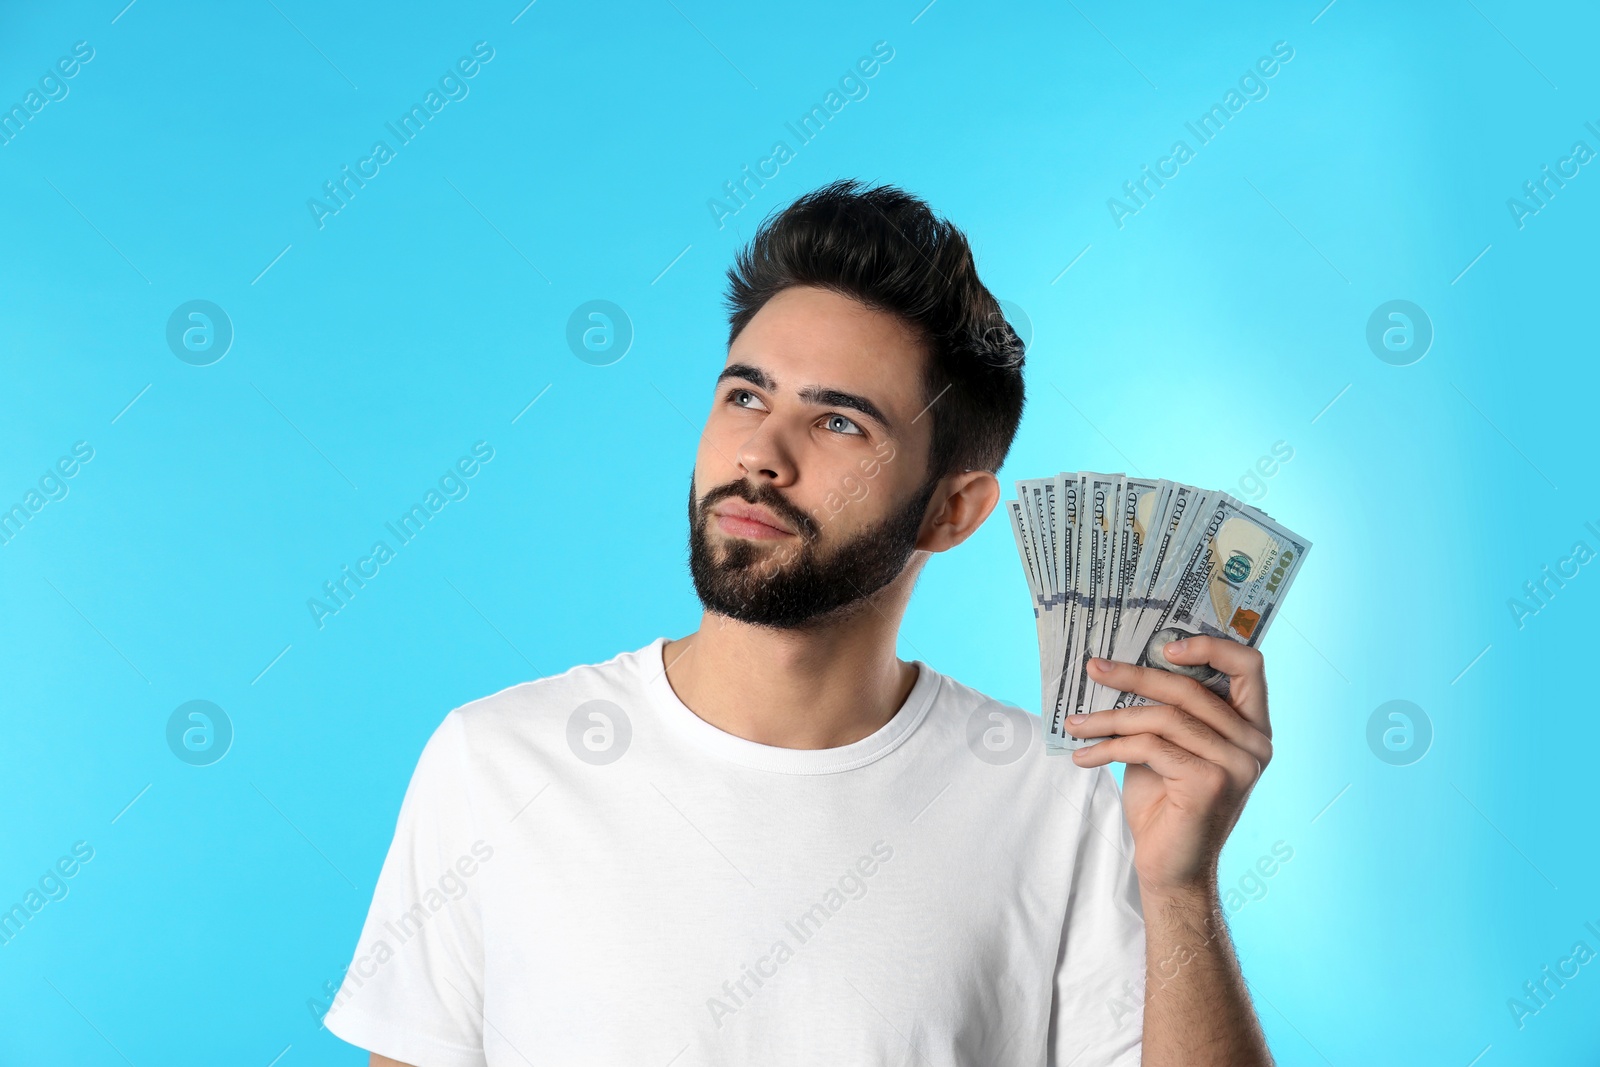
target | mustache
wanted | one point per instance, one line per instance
(762, 496)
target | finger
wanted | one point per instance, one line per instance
(1190, 696)
(1164, 687)
(1243, 755)
(1157, 753)
(1244, 666)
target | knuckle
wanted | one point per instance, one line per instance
(1244, 769)
(1215, 779)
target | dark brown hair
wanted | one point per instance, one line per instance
(886, 248)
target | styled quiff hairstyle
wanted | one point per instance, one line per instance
(887, 249)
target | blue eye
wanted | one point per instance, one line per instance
(832, 420)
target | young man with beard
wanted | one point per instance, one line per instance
(772, 840)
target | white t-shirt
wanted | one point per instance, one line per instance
(584, 872)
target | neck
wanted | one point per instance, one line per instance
(819, 687)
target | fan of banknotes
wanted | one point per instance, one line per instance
(1120, 566)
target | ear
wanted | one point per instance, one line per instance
(961, 504)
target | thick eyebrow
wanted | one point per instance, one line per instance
(812, 394)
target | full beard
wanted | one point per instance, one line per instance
(784, 585)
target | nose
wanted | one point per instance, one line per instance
(765, 456)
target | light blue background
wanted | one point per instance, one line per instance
(1224, 317)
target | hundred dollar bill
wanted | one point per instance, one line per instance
(1044, 607)
(1040, 526)
(1070, 530)
(1206, 510)
(1168, 513)
(1104, 583)
(1236, 571)
(1136, 499)
(1096, 496)
(1032, 526)
(1160, 571)
(1118, 566)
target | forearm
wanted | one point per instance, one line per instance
(1197, 1011)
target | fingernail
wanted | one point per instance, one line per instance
(1097, 664)
(1176, 647)
(1075, 719)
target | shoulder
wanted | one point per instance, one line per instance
(1040, 801)
(998, 732)
(530, 708)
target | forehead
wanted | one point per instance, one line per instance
(806, 336)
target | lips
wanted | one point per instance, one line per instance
(748, 520)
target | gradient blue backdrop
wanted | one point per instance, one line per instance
(1228, 314)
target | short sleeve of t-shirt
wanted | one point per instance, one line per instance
(1097, 1019)
(414, 991)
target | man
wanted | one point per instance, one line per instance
(772, 841)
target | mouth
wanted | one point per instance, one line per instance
(739, 519)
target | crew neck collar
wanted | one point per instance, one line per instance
(719, 742)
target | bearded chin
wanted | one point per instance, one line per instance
(780, 586)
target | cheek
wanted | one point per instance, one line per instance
(715, 456)
(721, 439)
(846, 499)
